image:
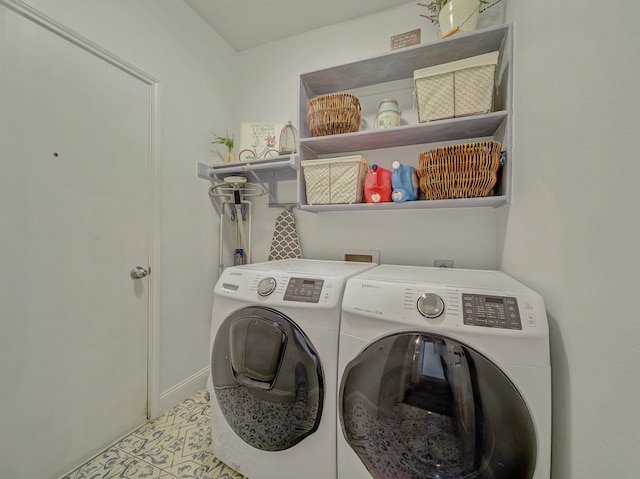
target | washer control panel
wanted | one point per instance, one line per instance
(490, 311)
(303, 290)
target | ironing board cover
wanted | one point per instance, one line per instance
(285, 243)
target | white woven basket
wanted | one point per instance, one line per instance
(335, 180)
(460, 88)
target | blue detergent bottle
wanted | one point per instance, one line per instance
(404, 181)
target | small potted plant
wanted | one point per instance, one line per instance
(227, 141)
(454, 15)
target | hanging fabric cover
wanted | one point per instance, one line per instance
(285, 243)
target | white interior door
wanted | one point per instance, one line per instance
(74, 220)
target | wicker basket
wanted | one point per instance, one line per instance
(333, 114)
(469, 170)
(455, 89)
(335, 180)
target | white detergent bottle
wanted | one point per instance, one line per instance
(404, 181)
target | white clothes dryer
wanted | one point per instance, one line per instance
(444, 373)
(274, 361)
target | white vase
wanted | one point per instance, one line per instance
(229, 157)
(458, 16)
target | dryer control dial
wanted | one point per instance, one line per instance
(266, 286)
(430, 305)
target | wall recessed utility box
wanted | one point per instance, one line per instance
(361, 255)
(443, 263)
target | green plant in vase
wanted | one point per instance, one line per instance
(227, 141)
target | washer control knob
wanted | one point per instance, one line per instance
(266, 286)
(430, 305)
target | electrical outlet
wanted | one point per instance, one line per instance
(443, 263)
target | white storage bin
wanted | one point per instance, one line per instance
(460, 88)
(335, 180)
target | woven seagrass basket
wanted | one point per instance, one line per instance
(333, 114)
(468, 170)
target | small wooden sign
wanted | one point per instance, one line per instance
(405, 39)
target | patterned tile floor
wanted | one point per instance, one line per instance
(176, 445)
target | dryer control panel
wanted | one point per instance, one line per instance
(490, 311)
(306, 290)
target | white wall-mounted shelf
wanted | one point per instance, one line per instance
(266, 171)
(372, 80)
(436, 131)
(488, 202)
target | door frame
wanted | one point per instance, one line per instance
(153, 335)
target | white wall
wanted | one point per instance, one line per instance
(196, 70)
(269, 92)
(572, 230)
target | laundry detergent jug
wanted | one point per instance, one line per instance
(404, 182)
(377, 185)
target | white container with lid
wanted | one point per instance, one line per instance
(388, 115)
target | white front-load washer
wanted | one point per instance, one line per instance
(443, 373)
(274, 361)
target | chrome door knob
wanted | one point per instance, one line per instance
(139, 272)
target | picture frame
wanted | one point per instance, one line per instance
(259, 140)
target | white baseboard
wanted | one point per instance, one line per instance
(183, 390)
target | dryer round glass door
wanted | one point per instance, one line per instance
(421, 406)
(267, 378)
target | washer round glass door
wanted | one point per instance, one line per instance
(267, 378)
(420, 406)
